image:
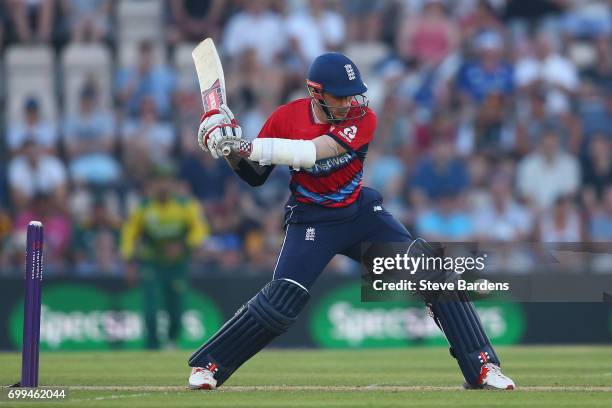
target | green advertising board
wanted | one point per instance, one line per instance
(340, 319)
(87, 317)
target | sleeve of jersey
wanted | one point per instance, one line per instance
(355, 134)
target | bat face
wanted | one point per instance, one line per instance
(210, 74)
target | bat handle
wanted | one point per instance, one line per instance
(226, 150)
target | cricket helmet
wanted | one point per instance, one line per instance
(336, 74)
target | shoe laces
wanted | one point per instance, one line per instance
(495, 369)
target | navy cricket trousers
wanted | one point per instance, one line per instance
(314, 234)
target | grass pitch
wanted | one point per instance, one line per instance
(421, 377)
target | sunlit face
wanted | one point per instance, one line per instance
(339, 106)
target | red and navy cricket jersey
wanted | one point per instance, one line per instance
(331, 182)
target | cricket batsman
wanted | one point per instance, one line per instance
(324, 140)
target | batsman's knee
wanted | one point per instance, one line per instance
(278, 304)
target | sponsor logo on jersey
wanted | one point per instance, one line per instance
(331, 163)
(349, 133)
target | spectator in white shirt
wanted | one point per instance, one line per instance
(548, 68)
(562, 224)
(315, 31)
(35, 172)
(257, 28)
(33, 127)
(502, 219)
(90, 141)
(547, 173)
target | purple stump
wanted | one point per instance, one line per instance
(32, 304)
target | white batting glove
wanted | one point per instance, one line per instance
(218, 128)
(221, 140)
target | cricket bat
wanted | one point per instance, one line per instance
(210, 76)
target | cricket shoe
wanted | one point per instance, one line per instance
(202, 379)
(491, 378)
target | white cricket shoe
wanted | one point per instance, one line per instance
(202, 379)
(492, 378)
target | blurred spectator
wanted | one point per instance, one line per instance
(548, 68)
(480, 168)
(251, 81)
(547, 173)
(89, 141)
(35, 172)
(257, 28)
(447, 221)
(87, 20)
(600, 225)
(488, 73)
(381, 169)
(32, 127)
(226, 221)
(147, 79)
(562, 224)
(193, 20)
(58, 230)
(440, 173)
(597, 170)
(95, 242)
(32, 20)
(261, 244)
(146, 140)
(492, 131)
(205, 176)
(588, 18)
(502, 219)
(429, 36)
(601, 72)
(595, 112)
(534, 120)
(481, 18)
(363, 19)
(315, 31)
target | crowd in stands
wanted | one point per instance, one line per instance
(494, 121)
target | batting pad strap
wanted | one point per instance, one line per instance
(299, 154)
(268, 314)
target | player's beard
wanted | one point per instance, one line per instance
(340, 113)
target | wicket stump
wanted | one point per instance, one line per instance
(32, 305)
